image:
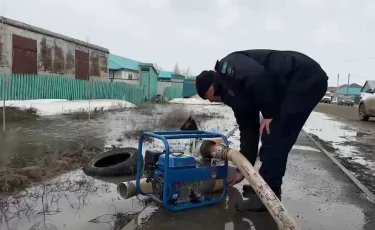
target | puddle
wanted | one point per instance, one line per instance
(71, 201)
(352, 146)
(74, 200)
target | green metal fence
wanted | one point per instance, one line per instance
(27, 87)
(172, 92)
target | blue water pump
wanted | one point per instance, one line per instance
(174, 176)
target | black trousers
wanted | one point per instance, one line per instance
(284, 131)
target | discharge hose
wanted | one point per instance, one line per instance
(209, 149)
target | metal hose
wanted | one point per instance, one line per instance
(284, 220)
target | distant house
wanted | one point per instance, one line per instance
(349, 91)
(366, 86)
(124, 69)
(331, 89)
(169, 79)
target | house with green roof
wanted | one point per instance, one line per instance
(123, 69)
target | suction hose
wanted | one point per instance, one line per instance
(209, 149)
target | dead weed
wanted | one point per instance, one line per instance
(14, 114)
(23, 172)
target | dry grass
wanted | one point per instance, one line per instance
(165, 120)
(14, 114)
(23, 172)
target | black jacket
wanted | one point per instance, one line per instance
(254, 81)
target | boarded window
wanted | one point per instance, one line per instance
(81, 65)
(24, 55)
(130, 76)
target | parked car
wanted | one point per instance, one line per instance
(346, 101)
(327, 98)
(366, 108)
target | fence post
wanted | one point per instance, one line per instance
(4, 102)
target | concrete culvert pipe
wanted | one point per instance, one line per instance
(126, 190)
(209, 149)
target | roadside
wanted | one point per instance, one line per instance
(315, 190)
(351, 142)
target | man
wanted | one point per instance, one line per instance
(284, 86)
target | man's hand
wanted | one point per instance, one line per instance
(265, 125)
(237, 179)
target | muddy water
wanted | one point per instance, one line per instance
(57, 133)
(74, 200)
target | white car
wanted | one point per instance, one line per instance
(366, 108)
(327, 98)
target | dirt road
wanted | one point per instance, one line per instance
(347, 112)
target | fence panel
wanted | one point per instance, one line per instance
(28, 87)
(173, 92)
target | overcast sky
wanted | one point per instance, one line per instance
(340, 34)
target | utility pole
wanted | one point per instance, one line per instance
(347, 88)
(337, 88)
(3, 65)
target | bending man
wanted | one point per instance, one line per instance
(284, 86)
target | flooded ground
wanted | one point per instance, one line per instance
(352, 145)
(315, 190)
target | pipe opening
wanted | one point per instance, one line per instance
(123, 191)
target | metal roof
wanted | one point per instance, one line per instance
(345, 90)
(122, 63)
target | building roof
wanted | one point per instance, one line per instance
(331, 89)
(166, 74)
(345, 90)
(122, 63)
(38, 30)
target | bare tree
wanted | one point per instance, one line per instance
(177, 69)
(187, 73)
(158, 68)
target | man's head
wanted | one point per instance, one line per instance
(205, 86)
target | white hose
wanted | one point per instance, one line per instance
(219, 151)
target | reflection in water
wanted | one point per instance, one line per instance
(72, 201)
(59, 133)
(221, 217)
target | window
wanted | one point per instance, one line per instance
(130, 76)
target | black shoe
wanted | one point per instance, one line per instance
(254, 203)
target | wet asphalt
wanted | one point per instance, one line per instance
(315, 190)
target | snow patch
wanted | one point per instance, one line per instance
(59, 106)
(193, 101)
